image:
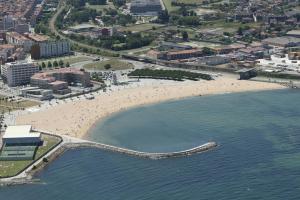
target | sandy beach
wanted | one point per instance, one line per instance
(76, 118)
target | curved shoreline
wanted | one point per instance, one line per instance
(77, 117)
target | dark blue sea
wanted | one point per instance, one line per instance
(258, 156)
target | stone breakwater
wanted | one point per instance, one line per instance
(72, 143)
(205, 147)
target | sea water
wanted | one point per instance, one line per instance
(258, 156)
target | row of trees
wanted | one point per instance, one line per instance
(50, 64)
(177, 75)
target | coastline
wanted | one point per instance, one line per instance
(162, 92)
(26, 175)
(76, 119)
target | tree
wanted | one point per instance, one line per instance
(207, 51)
(240, 31)
(61, 63)
(107, 66)
(49, 64)
(163, 16)
(67, 64)
(55, 63)
(185, 35)
(43, 65)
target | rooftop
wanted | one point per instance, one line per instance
(20, 131)
(282, 40)
(293, 32)
(184, 51)
(38, 38)
(6, 46)
(17, 36)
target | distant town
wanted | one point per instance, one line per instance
(58, 51)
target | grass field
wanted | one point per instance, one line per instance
(232, 25)
(169, 6)
(141, 27)
(114, 63)
(69, 59)
(11, 168)
(100, 7)
(6, 105)
(190, 1)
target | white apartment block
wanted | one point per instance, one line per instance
(18, 73)
(54, 48)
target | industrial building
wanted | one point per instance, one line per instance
(174, 55)
(18, 73)
(145, 7)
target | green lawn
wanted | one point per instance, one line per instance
(229, 25)
(11, 168)
(69, 59)
(6, 105)
(169, 6)
(114, 63)
(100, 7)
(141, 27)
(190, 1)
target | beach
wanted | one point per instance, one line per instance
(77, 117)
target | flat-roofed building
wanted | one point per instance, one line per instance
(22, 28)
(18, 73)
(174, 46)
(19, 143)
(294, 33)
(21, 135)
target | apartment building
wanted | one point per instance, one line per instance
(18, 73)
(19, 40)
(47, 49)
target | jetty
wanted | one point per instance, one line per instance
(204, 147)
(67, 143)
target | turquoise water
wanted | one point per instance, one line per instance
(258, 156)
